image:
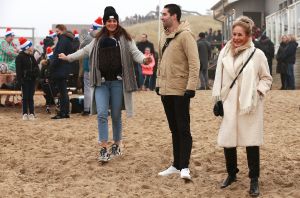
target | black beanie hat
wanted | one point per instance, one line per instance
(110, 13)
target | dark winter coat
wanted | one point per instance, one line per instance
(204, 50)
(26, 67)
(267, 46)
(60, 68)
(290, 52)
(281, 64)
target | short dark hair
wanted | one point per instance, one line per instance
(145, 35)
(174, 9)
(202, 35)
(61, 27)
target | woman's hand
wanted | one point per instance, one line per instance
(62, 56)
(147, 60)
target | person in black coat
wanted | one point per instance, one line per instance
(47, 85)
(267, 46)
(281, 64)
(27, 71)
(290, 58)
(204, 50)
(60, 69)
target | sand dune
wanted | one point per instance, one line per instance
(47, 158)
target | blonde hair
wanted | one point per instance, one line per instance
(246, 23)
(291, 37)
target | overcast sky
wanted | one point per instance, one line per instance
(41, 14)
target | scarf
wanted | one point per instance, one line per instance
(248, 89)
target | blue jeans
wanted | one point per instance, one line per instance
(147, 79)
(290, 77)
(28, 88)
(109, 95)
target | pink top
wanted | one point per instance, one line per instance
(148, 69)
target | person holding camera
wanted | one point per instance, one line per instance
(242, 99)
(27, 71)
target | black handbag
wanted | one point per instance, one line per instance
(218, 107)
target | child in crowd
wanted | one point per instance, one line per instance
(48, 87)
(147, 70)
(27, 71)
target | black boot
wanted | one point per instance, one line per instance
(254, 188)
(229, 180)
(253, 161)
(231, 166)
(253, 165)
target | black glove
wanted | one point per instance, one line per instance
(157, 91)
(189, 93)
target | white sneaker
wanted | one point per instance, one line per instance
(31, 117)
(169, 171)
(185, 174)
(25, 116)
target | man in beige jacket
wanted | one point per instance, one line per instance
(177, 77)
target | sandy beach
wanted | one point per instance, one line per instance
(58, 158)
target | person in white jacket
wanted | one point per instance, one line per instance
(111, 77)
(242, 123)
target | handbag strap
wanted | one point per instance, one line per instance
(233, 82)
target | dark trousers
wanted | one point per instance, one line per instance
(252, 158)
(28, 88)
(50, 93)
(147, 79)
(283, 78)
(177, 109)
(270, 63)
(153, 81)
(61, 85)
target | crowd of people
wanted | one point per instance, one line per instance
(114, 67)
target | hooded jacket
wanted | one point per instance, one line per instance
(61, 68)
(178, 67)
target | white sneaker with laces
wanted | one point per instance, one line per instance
(185, 174)
(25, 116)
(31, 117)
(169, 171)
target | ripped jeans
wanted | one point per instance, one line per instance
(109, 95)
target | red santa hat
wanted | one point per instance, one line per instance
(76, 34)
(97, 24)
(52, 34)
(49, 52)
(9, 32)
(24, 43)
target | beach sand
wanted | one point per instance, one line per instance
(58, 158)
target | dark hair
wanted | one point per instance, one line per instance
(202, 35)
(61, 27)
(117, 34)
(145, 35)
(174, 9)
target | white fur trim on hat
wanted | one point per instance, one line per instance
(26, 45)
(9, 33)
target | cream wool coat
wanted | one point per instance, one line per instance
(242, 129)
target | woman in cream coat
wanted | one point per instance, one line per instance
(242, 124)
